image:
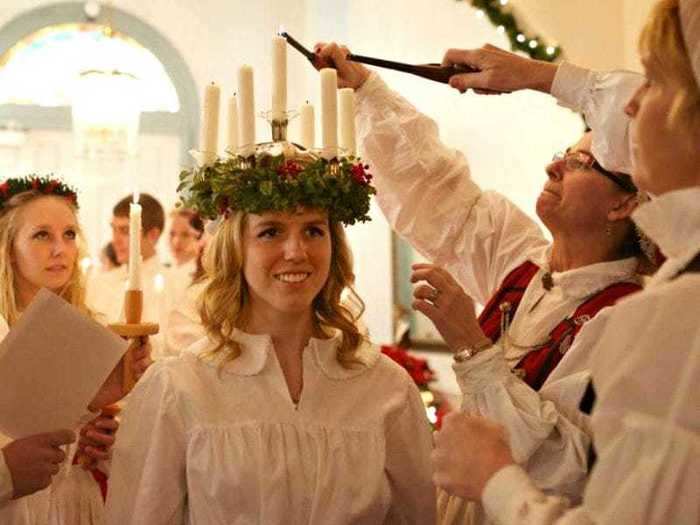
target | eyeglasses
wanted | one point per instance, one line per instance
(582, 160)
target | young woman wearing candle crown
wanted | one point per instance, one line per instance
(646, 363)
(538, 295)
(40, 240)
(284, 413)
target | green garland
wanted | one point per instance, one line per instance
(532, 45)
(46, 185)
(275, 183)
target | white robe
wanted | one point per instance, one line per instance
(646, 421)
(203, 442)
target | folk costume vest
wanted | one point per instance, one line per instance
(536, 366)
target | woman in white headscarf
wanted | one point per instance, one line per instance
(646, 365)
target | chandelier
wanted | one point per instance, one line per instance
(106, 110)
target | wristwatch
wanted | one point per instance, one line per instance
(465, 353)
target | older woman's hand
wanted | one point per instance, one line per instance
(97, 438)
(451, 310)
(468, 451)
(112, 389)
(499, 71)
(350, 74)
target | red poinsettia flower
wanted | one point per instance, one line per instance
(289, 169)
(50, 186)
(416, 367)
(35, 184)
(359, 174)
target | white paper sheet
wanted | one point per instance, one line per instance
(52, 363)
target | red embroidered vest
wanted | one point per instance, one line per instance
(539, 363)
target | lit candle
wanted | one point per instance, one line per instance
(134, 282)
(246, 111)
(346, 107)
(232, 146)
(308, 131)
(279, 77)
(329, 112)
(210, 123)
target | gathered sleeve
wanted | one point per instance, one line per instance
(148, 479)
(545, 439)
(426, 192)
(408, 447)
(601, 97)
(645, 423)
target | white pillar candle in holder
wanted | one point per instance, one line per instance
(232, 146)
(134, 280)
(329, 113)
(307, 125)
(246, 111)
(279, 78)
(210, 123)
(346, 109)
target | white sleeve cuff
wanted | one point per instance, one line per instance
(481, 371)
(571, 84)
(511, 497)
(6, 487)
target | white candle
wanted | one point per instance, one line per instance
(279, 77)
(134, 282)
(346, 108)
(246, 111)
(210, 123)
(329, 112)
(307, 123)
(232, 146)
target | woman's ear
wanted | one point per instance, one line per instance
(623, 207)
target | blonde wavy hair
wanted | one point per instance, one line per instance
(661, 44)
(224, 302)
(73, 291)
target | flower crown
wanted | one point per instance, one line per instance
(268, 182)
(45, 185)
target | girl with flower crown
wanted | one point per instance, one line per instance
(284, 413)
(40, 248)
(646, 361)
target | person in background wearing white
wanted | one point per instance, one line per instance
(646, 364)
(538, 295)
(105, 290)
(40, 241)
(186, 230)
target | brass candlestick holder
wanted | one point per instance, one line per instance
(134, 330)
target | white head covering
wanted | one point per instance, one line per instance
(690, 23)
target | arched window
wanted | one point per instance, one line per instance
(42, 68)
(43, 54)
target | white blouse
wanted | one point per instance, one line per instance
(479, 237)
(206, 442)
(646, 422)
(73, 498)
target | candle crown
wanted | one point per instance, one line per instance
(279, 177)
